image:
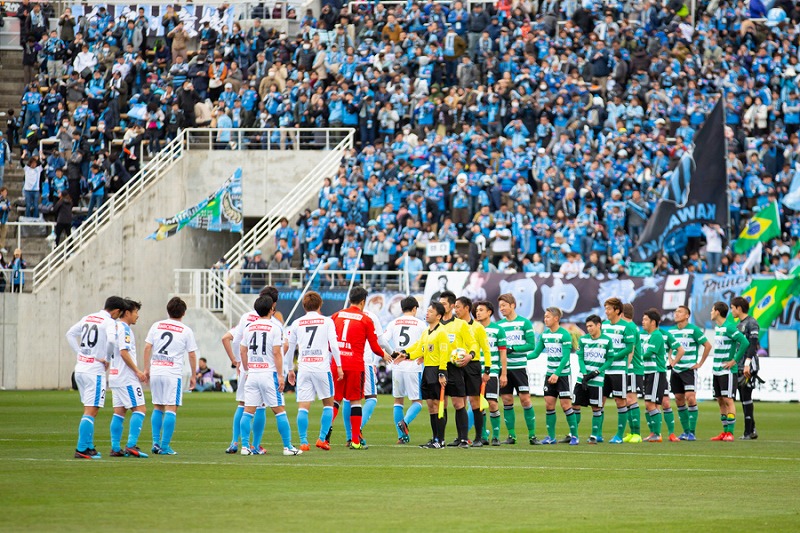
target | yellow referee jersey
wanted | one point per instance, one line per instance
(460, 335)
(433, 346)
(482, 340)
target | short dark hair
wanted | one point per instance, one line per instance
(270, 291)
(614, 303)
(439, 308)
(741, 303)
(450, 296)
(594, 319)
(408, 304)
(487, 304)
(689, 311)
(627, 311)
(263, 305)
(115, 303)
(466, 302)
(203, 359)
(176, 307)
(653, 315)
(312, 301)
(132, 304)
(721, 308)
(358, 294)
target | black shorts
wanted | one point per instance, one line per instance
(430, 383)
(614, 385)
(455, 387)
(492, 388)
(635, 384)
(683, 382)
(472, 378)
(588, 397)
(560, 389)
(517, 380)
(725, 386)
(655, 387)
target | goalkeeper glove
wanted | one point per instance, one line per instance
(590, 376)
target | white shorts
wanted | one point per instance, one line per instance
(262, 388)
(407, 385)
(129, 396)
(313, 385)
(166, 390)
(240, 386)
(370, 381)
(92, 388)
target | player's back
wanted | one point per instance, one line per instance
(401, 333)
(119, 373)
(172, 340)
(260, 338)
(353, 328)
(97, 333)
(313, 335)
(238, 331)
(370, 357)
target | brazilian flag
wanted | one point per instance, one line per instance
(764, 225)
(768, 297)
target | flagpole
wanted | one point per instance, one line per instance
(353, 277)
(305, 289)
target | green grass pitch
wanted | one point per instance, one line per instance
(707, 486)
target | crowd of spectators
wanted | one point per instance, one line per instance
(537, 134)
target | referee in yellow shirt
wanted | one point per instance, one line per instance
(476, 371)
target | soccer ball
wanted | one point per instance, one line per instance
(458, 355)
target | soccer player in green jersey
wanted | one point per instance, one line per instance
(635, 381)
(556, 343)
(654, 359)
(623, 336)
(730, 345)
(498, 374)
(684, 370)
(595, 355)
(674, 353)
(520, 341)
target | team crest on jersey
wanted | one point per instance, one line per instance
(430, 347)
(127, 339)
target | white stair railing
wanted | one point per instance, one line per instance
(208, 289)
(298, 197)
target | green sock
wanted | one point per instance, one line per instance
(602, 421)
(731, 423)
(649, 421)
(495, 420)
(724, 420)
(511, 420)
(530, 420)
(572, 422)
(692, 418)
(635, 418)
(577, 416)
(551, 424)
(622, 420)
(655, 417)
(486, 433)
(669, 418)
(683, 414)
(597, 423)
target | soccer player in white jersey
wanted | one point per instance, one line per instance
(261, 351)
(314, 336)
(126, 381)
(167, 345)
(231, 341)
(401, 333)
(92, 340)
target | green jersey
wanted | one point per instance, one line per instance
(730, 344)
(636, 366)
(497, 340)
(623, 338)
(520, 340)
(558, 347)
(595, 354)
(670, 344)
(691, 338)
(654, 352)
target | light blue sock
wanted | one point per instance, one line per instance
(284, 429)
(156, 421)
(237, 422)
(398, 416)
(259, 423)
(346, 419)
(302, 425)
(85, 433)
(245, 426)
(116, 431)
(470, 419)
(168, 430)
(366, 413)
(325, 422)
(412, 412)
(135, 428)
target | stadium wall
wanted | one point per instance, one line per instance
(120, 261)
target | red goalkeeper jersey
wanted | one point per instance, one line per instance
(353, 330)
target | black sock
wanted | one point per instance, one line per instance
(441, 425)
(478, 417)
(462, 423)
(435, 426)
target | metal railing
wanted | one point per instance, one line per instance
(20, 225)
(300, 195)
(209, 289)
(263, 139)
(7, 279)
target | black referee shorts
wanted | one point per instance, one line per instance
(455, 387)
(472, 378)
(431, 389)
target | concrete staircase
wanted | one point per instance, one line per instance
(10, 82)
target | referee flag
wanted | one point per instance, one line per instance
(764, 225)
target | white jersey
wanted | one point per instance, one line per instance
(370, 357)
(120, 374)
(314, 336)
(401, 333)
(238, 332)
(171, 340)
(260, 337)
(92, 339)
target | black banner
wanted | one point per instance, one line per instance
(697, 193)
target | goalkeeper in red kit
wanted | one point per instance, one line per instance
(353, 330)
